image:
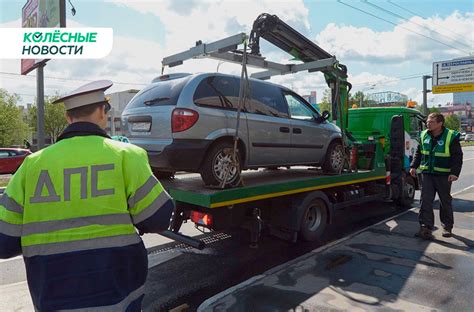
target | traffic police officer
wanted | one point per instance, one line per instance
(439, 157)
(72, 210)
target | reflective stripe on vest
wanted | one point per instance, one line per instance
(72, 204)
(435, 159)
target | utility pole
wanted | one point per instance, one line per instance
(40, 105)
(425, 94)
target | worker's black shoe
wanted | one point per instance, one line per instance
(447, 232)
(425, 233)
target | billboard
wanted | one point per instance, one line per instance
(453, 76)
(41, 13)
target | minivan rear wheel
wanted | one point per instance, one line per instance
(218, 166)
(334, 160)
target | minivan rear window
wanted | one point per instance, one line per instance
(159, 93)
(217, 91)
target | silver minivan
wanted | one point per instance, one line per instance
(187, 122)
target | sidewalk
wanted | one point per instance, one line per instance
(382, 268)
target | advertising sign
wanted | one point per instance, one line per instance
(41, 13)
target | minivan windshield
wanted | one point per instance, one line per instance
(159, 93)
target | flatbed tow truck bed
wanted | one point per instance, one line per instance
(262, 184)
(295, 202)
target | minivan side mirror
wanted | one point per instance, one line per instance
(324, 116)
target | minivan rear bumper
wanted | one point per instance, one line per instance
(182, 154)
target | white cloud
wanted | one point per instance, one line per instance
(139, 61)
(211, 20)
(351, 43)
(135, 61)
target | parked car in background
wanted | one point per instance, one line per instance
(469, 137)
(462, 136)
(11, 159)
(187, 123)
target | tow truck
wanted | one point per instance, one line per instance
(299, 202)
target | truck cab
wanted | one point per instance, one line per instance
(371, 123)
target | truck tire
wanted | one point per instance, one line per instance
(407, 195)
(215, 163)
(334, 159)
(315, 220)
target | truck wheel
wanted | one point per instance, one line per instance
(407, 193)
(218, 164)
(315, 219)
(334, 160)
(162, 174)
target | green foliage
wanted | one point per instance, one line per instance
(54, 120)
(325, 103)
(13, 129)
(452, 122)
(359, 98)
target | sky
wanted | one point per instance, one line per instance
(387, 45)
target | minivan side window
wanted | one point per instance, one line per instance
(299, 109)
(217, 91)
(266, 99)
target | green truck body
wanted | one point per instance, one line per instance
(375, 123)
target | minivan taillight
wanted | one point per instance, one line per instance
(182, 119)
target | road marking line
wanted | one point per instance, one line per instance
(468, 159)
(464, 189)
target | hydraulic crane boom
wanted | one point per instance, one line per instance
(283, 36)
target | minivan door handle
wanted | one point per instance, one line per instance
(297, 130)
(285, 129)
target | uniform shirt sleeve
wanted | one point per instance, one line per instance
(149, 204)
(456, 156)
(415, 163)
(11, 214)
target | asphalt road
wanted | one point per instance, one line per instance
(181, 276)
(197, 275)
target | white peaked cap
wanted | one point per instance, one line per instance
(91, 93)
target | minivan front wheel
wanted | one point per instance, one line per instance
(334, 160)
(218, 166)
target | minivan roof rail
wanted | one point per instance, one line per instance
(170, 77)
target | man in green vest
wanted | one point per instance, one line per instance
(439, 157)
(73, 211)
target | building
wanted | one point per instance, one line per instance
(463, 111)
(463, 98)
(387, 98)
(118, 101)
(311, 98)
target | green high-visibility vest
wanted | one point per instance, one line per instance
(82, 193)
(436, 159)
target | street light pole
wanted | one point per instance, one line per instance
(425, 94)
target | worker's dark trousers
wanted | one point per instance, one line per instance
(432, 184)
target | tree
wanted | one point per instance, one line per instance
(325, 103)
(357, 98)
(433, 110)
(13, 129)
(452, 122)
(54, 121)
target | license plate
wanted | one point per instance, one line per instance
(141, 126)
